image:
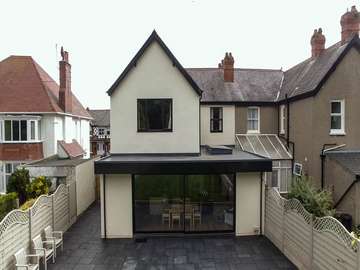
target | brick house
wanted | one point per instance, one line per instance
(37, 115)
(100, 132)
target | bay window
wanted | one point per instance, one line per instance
(19, 130)
(6, 170)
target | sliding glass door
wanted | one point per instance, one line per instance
(183, 203)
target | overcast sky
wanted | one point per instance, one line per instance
(103, 36)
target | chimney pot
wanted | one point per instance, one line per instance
(350, 24)
(317, 43)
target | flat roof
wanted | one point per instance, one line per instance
(238, 161)
(55, 161)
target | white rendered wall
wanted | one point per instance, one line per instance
(118, 192)
(85, 136)
(247, 203)
(85, 185)
(51, 132)
(154, 77)
(227, 137)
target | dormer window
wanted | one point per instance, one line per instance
(154, 115)
(337, 116)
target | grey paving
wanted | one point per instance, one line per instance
(84, 249)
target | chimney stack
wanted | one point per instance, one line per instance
(317, 43)
(65, 95)
(350, 24)
(227, 64)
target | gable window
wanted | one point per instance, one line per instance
(337, 117)
(216, 119)
(154, 115)
(253, 120)
(282, 119)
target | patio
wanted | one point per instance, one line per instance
(83, 249)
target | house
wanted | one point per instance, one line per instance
(100, 132)
(167, 135)
(173, 165)
(37, 115)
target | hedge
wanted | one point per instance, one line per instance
(8, 202)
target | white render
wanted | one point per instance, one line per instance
(248, 203)
(85, 185)
(226, 137)
(155, 76)
(118, 206)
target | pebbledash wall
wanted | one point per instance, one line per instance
(171, 84)
(119, 219)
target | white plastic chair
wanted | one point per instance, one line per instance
(23, 260)
(44, 249)
(55, 236)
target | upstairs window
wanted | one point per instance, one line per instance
(337, 116)
(154, 115)
(253, 120)
(19, 130)
(216, 119)
(282, 119)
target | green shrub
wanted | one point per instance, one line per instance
(39, 186)
(8, 202)
(317, 202)
(27, 204)
(18, 182)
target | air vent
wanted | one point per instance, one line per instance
(219, 150)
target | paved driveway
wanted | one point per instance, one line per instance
(83, 249)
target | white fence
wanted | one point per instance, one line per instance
(19, 227)
(309, 242)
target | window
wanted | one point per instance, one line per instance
(7, 170)
(282, 119)
(281, 175)
(337, 125)
(253, 120)
(101, 131)
(20, 130)
(154, 115)
(216, 119)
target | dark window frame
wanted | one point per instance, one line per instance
(220, 120)
(140, 130)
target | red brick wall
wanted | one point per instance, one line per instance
(21, 151)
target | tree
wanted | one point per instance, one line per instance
(18, 182)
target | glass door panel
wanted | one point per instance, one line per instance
(158, 203)
(209, 203)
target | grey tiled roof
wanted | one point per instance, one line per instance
(259, 85)
(306, 76)
(101, 118)
(349, 159)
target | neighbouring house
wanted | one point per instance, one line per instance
(100, 132)
(37, 115)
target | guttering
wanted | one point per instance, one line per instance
(357, 179)
(104, 202)
(261, 201)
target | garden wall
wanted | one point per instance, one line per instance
(19, 227)
(309, 242)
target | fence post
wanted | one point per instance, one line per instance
(283, 226)
(69, 206)
(30, 225)
(312, 242)
(53, 210)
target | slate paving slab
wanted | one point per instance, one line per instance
(85, 250)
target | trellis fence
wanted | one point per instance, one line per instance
(19, 227)
(309, 242)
